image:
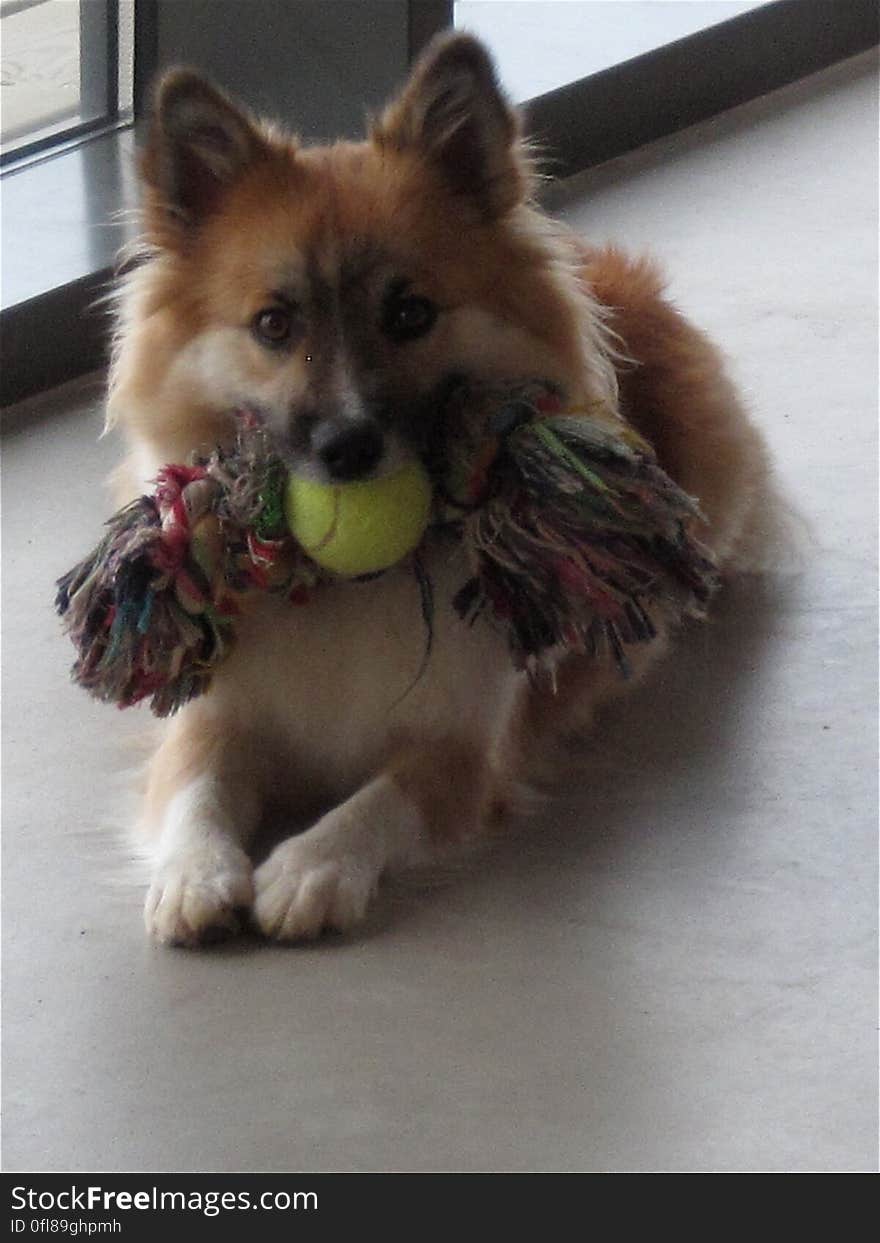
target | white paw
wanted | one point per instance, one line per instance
(302, 890)
(196, 896)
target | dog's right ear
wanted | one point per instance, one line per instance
(199, 144)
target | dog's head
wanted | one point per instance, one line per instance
(338, 290)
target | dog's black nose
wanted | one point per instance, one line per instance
(348, 450)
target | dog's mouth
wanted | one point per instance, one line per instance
(460, 422)
(332, 448)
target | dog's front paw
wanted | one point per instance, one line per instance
(302, 890)
(196, 897)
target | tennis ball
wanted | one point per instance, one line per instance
(363, 526)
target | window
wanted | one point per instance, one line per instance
(66, 71)
(542, 44)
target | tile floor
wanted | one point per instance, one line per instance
(675, 968)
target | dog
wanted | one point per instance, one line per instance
(336, 289)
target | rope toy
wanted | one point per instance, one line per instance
(574, 535)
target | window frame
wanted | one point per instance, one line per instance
(99, 85)
(679, 84)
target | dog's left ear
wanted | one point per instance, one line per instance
(453, 112)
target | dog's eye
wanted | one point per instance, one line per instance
(272, 325)
(406, 317)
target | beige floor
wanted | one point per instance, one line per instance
(675, 969)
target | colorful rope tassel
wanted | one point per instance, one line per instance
(577, 536)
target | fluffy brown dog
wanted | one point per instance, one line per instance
(336, 290)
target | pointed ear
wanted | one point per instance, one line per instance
(199, 144)
(452, 111)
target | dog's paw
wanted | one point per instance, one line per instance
(196, 897)
(303, 890)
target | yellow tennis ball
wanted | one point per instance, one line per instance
(363, 526)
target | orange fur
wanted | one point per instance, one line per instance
(678, 395)
(321, 702)
(449, 781)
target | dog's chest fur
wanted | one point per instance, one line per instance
(340, 681)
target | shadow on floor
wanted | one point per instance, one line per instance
(671, 748)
